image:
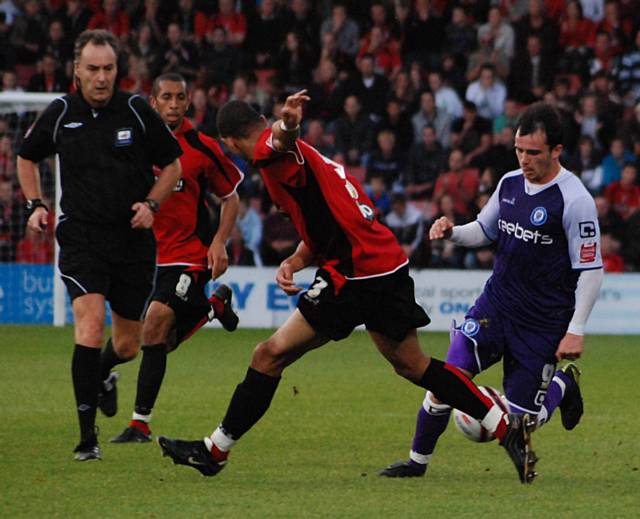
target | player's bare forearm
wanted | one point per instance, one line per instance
(29, 178)
(287, 129)
(571, 347)
(166, 181)
(217, 258)
(301, 258)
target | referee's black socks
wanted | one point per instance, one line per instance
(109, 359)
(85, 372)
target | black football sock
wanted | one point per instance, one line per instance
(150, 375)
(452, 387)
(109, 359)
(249, 402)
(85, 373)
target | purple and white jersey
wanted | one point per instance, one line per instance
(545, 235)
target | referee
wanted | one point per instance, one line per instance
(108, 143)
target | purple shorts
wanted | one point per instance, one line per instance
(487, 336)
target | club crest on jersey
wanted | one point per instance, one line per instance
(124, 137)
(470, 327)
(538, 216)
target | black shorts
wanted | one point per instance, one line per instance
(115, 261)
(182, 288)
(384, 304)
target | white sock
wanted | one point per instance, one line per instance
(492, 419)
(146, 418)
(220, 440)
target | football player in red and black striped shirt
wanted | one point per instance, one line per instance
(189, 254)
(362, 278)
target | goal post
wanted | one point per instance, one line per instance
(25, 258)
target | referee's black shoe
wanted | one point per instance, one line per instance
(228, 317)
(571, 405)
(108, 395)
(192, 454)
(517, 443)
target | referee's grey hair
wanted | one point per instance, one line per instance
(97, 37)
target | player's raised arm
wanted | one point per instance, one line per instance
(287, 129)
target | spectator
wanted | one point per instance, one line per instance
(624, 194)
(12, 222)
(628, 73)
(430, 115)
(386, 161)
(59, 46)
(250, 224)
(293, 64)
(460, 183)
(444, 253)
(222, 60)
(613, 163)
(386, 58)
(180, 55)
(500, 32)
(538, 24)
(402, 91)
(407, 224)
(7, 159)
(315, 136)
(145, 48)
(609, 221)
(610, 249)
(239, 254)
(233, 22)
(500, 155)
(603, 56)
(201, 115)
(427, 160)
(471, 133)
(193, 22)
(10, 11)
(508, 117)
(423, 34)
(112, 18)
(369, 87)
(608, 102)
(28, 34)
(446, 97)
(577, 33)
(345, 31)
(353, 133)
(326, 97)
(74, 17)
(377, 191)
(460, 36)
(488, 93)
(304, 23)
(532, 73)
(279, 239)
(265, 33)
(48, 79)
(591, 123)
(486, 54)
(631, 130)
(587, 165)
(618, 29)
(593, 9)
(396, 121)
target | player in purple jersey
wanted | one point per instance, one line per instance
(545, 281)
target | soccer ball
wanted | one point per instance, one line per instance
(470, 427)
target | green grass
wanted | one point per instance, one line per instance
(316, 452)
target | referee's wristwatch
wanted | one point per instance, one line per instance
(34, 203)
(153, 204)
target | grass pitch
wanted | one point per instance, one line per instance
(340, 414)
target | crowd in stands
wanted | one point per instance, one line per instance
(416, 98)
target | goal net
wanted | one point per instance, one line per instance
(30, 289)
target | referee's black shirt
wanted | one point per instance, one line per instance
(107, 154)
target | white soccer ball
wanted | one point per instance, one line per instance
(470, 427)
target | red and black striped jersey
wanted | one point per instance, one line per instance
(329, 209)
(182, 226)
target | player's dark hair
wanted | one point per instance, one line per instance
(236, 119)
(97, 37)
(168, 76)
(544, 117)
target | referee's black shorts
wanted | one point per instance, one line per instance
(384, 304)
(115, 261)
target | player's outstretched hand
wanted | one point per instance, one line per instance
(441, 228)
(38, 220)
(571, 347)
(284, 278)
(217, 259)
(292, 109)
(143, 217)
